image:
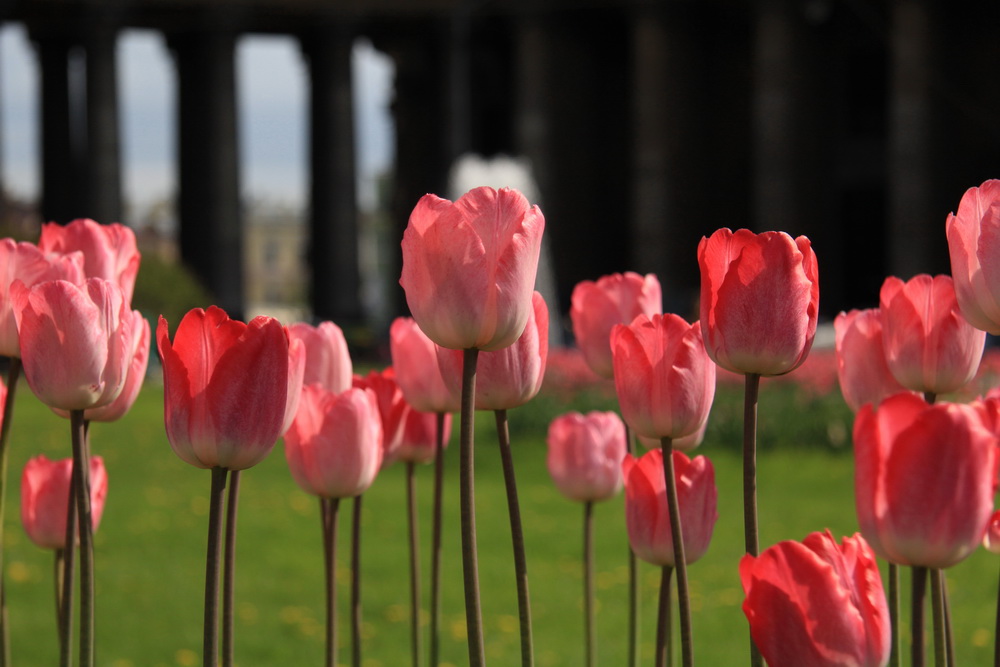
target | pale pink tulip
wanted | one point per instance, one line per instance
(109, 251)
(973, 235)
(585, 455)
(328, 360)
(45, 497)
(133, 382)
(296, 373)
(414, 356)
(861, 366)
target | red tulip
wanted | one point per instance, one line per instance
(975, 255)
(599, 306)
(392, 408)
(469, 267)
(929, 346)
(414, 356)
(664, 379)
(507, 378)
(109, 251)
(76, 341)
(861, 366)
(225, 387)
(26, 263)
(419, 441)
(328, 360)
(759, 300)
(991, 539)
(924, 477)
(647, 517)
(45, 497)
(334, 445)
(817, 604)
(585, 455)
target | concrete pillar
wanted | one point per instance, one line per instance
(102, 171)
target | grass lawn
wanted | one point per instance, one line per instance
(151, 546)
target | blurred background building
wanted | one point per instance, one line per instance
(647, 125)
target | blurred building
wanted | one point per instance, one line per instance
(648, 124)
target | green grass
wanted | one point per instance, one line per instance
(151, 546)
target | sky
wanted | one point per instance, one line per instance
(272, 111)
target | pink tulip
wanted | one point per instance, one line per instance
(759, 300)
(991, 539)
(975, 255)
(45, 497)
(334, 445)
(507, 378)
(109, 251)
(469, 267)
(924, 478)
(861, 366)
(76, 341)
(929, 346)
(296, 373)
(414, 356)
(392, 408)
(419, 441)
(663, 377)
(598, 306)
(817, 604)
(26, 263)
(685, 444)
(585, 455)
(328, 360)
(133, 381)
(225, 388)
(647, 517)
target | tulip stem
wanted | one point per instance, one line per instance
(68, 579)
(411, 506)
(680, 564)
(664, 624)
(937, 603)
(435, 619)
(590, 641)
(81, 472)
(229, 569)
(633, 588)
(470, 565)
(13, 373)
(517, 538)
(751, 391)
(356, 582)
(919, 588)
(57, 578)
(894, 657)
(212, 562)
(328, 515)
(949, 639)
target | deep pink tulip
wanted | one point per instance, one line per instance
(598, 306)
(469, 267)
(663, 377)
(974, 246)
(109, 251)
(225, 387)
(133, 381)
(392, 408)
(414, 356)
(76, 341)
(507, 378)
(759, 300)
(419, 440)
(817, 604)
(26, 263)
(929, 345)
(585, 455)
(647, 517)
(334, 445)
(328, 360)
(991, 539)
(924, 478)
(45, 497)
(861, 366)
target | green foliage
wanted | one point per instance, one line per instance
(167, 288)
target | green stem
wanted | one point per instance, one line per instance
(411, 506)
(894, 657)
(210, 648)
(356, 583)
(81, 471)
(664, 626)
(57, 578)
(436, 540)
(328, 515)
(470, 564)
(517, 538)
(949, 637)
(937, 603)
(229, 571)
(633, 587)
(750, 536)
(680, 564)
(68, 579)
(13, 373)
(919, 588)
(589, 638)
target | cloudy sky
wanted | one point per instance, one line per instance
(272, 99)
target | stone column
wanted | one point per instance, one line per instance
(102, 168)
(333, 222)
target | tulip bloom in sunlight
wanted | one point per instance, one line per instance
(862, 370)
(924, 480)
(225, 387)
(598, 306)
(415, 358)
(469, 267)
(585, 455)
(45, 495)
(328, 360)
(816, 603)
(975, 255)
(109, 251)
(759, 300)
(929, 345)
